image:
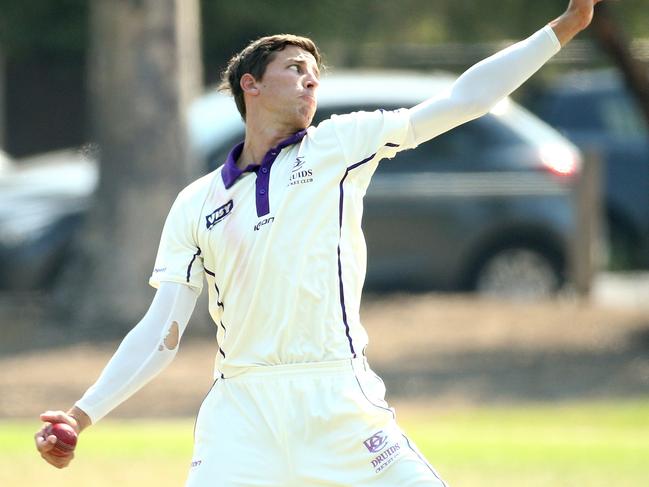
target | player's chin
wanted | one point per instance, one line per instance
(305, 118)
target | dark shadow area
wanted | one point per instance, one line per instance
(32, 322)
(501, 375)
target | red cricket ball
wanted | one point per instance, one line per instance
(66, 439)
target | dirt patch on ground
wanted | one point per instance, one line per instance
(434, 348)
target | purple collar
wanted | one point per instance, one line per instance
(230, 172)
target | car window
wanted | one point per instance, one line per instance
(464, 148)
(610, 112)
(567, 112)
(621, 116)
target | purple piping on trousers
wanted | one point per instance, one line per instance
(370, 401)
(202, 402)
(424, 460)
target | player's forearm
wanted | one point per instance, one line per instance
(482, 86)
(148, 348)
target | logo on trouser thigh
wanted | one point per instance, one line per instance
(389, 450)
(376, 442)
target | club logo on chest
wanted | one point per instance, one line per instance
(300, 174)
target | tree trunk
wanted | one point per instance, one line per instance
(3, 107)
(613, 40)
(144, 66)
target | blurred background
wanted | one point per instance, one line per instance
(512, 253)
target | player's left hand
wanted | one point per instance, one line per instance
(582, 10)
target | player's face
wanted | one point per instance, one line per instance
(289, 86)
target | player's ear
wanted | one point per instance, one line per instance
(249, 85)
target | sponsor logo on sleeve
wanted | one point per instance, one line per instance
(219, 214)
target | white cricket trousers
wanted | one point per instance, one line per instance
(317, 424)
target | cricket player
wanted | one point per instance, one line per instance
(275, 232)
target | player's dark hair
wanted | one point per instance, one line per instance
(254, 59)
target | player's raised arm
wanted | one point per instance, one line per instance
(485, 84)
(145, 351)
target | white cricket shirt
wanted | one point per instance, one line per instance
(281, 245)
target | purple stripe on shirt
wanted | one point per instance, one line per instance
(220, 304)
(191, 263)
(218, 292)
(340, 268)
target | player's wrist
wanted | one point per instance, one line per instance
(578, 18)
(569, 25)
(81, 419)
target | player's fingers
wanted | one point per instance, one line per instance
(56, 461)
(44, 443)
(57, 417)
(62, 462)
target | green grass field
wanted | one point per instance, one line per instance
(581, 444)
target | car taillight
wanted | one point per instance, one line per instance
(560, 159)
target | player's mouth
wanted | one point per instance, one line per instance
(310, 98)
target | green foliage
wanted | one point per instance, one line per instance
(591, 444)
(340, 26)
(60, 26)
(43, 27)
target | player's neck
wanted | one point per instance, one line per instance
(260, 138)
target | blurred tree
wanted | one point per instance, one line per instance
(613, 39)
(144, 66)
(54, 27)
(2, 98)
(342, 28)
(58, 26)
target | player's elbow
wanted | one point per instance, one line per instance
(474, 106)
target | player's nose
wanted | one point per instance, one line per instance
(311, 81)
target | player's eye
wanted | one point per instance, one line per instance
(296, 67)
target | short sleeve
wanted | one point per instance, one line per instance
(381, 134)
(179, 257)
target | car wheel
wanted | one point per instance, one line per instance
(518, 272)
